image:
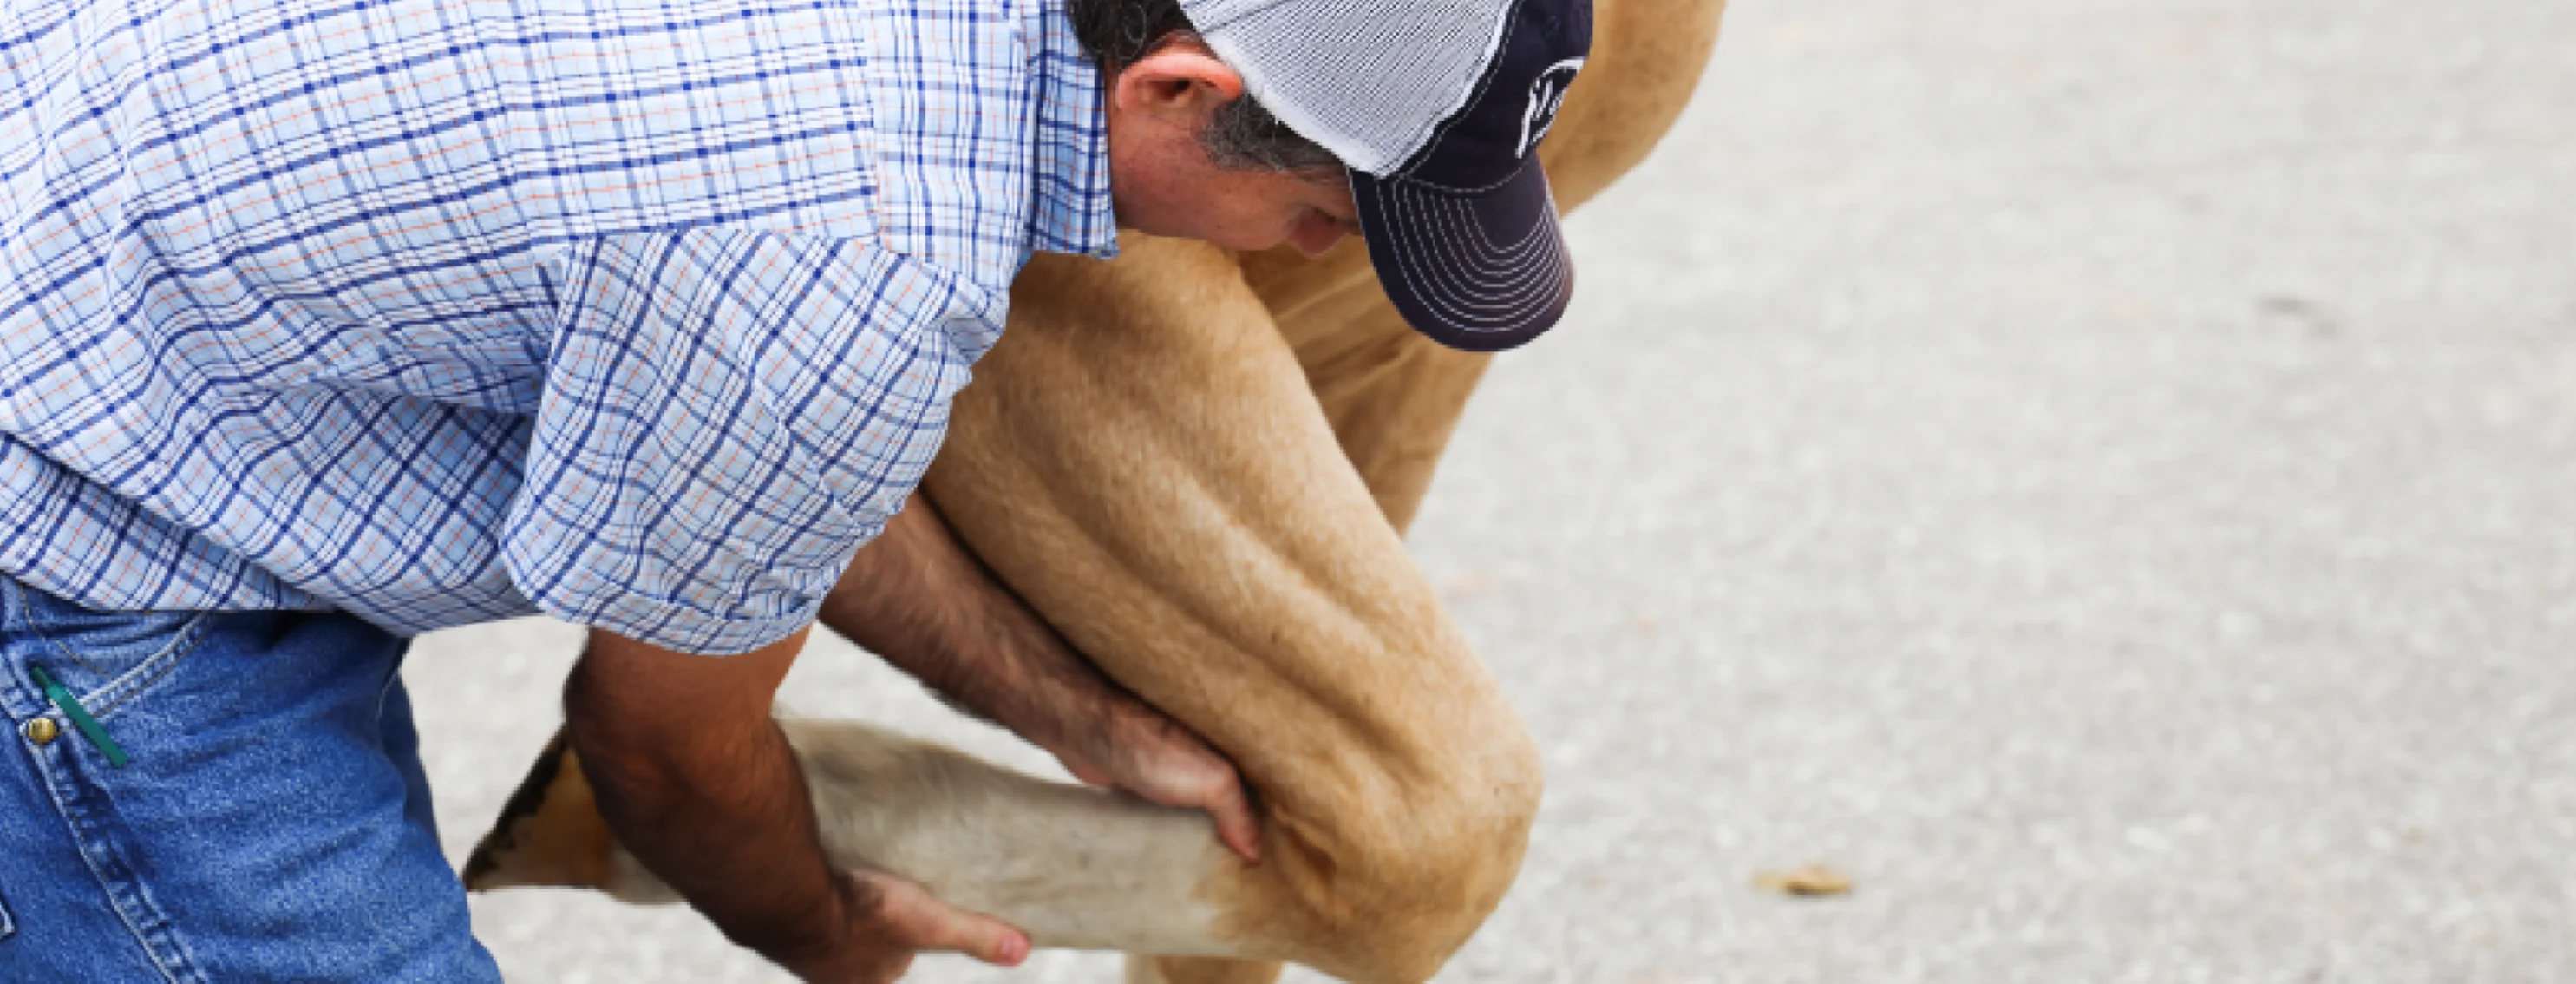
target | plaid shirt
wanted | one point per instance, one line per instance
(642, 313)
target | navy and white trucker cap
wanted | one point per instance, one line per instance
(1437, 108)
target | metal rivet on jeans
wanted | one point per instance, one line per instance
(41, 731)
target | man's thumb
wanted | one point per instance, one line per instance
(930, 924)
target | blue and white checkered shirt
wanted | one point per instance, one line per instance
(642, 313)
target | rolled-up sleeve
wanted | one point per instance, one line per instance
(727, 417)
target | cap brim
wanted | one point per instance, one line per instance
(1482, 271)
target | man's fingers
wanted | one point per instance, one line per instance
(925, 923)
(1234, 821)
(1217, 788)
(1195, 774)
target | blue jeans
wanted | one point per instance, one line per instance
(271, 823)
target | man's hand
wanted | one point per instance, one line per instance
(888, 920)
(916, 597)
(697, 781)
(1127, 744)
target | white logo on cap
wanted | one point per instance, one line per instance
(1546, 96)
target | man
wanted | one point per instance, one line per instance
(326, 324)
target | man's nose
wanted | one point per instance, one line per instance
(1317, 234)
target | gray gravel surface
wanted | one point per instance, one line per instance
(2100, 473)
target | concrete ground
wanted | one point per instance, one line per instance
(2100, 473)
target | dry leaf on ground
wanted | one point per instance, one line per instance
(1812, 881)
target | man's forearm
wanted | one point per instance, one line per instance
(915, 597)
(710, 798)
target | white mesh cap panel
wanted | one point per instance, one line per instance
(1369, 80)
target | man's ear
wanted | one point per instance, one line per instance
(1180, 78)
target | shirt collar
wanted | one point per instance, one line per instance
(1073, 213)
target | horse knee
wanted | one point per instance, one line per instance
(1401, 881)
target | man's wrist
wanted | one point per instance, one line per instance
(812, 943)
(1061, 707)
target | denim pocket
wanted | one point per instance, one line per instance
(105, 658)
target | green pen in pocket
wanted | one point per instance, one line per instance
(71, 708)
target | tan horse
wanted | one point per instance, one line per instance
(1198, 465)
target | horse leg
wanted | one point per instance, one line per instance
(1391, 397)
(1145, 461)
